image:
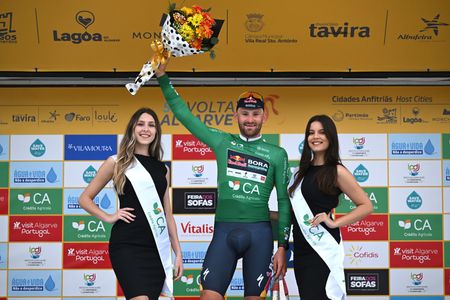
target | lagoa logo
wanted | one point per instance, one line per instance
(413, 169)
(85, 19)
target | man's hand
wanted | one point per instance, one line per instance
(279, 263)
(161, 70)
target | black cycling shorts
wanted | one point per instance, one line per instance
(233, 240)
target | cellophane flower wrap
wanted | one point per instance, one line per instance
(186, 31)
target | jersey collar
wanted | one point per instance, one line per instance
(250, 139)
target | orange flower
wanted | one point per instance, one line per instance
(196, 43)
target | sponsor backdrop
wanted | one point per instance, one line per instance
(395, 141)
(295, 36)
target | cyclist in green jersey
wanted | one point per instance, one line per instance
(247, 169)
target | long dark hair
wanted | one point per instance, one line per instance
(327, 176)
(125, 154)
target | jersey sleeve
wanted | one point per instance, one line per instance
(282, 175)
(182, 112)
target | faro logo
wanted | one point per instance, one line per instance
(92, 226)
(247, 187)
(85, 19)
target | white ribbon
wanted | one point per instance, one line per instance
(148, 197)
(323, 243)
(145, 75)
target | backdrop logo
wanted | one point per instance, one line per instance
(338, 116)
(37, 148)
(389, 116)
(23, 118)
(416, 255)
(254, 22)
(35, 176)
(357, 254)
(7, 32)
(361, 173)
(415, 227)
(89, 174)
(198, 170)
(73, 116)
(89, 147)
(429, 33)
(413, 169)
(358, 143)
(85, 19)
(89, 279)
(335, 30)
(37, 284)
(415, 118)
(35, 252)
(416, 278)
(433, 25)
(53, 116)
(414, 201)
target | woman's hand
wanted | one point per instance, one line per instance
(178, 271)
(123, 214)
(325, 218)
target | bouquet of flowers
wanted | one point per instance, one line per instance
(185, 31)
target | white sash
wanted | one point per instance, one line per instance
(323, 243)
(148, 197)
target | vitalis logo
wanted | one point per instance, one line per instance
(7, 32)
(85, 19)
(330, 30)
(428, 33)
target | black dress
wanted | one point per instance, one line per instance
(311, 272)
(132, 248)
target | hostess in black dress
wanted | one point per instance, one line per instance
(132, 248)
(311, 272)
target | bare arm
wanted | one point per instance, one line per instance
(100, 180)
(173, 235)
(348, 185)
